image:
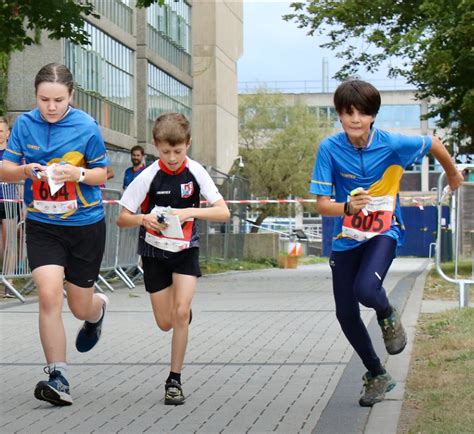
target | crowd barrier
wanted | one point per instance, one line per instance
(456, 206)
(120, 255)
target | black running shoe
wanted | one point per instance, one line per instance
(174, 393)
(89, 334)
(55, 390)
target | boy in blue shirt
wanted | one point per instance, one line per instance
(360, 168)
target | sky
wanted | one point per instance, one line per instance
(278, 51)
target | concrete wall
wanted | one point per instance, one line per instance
(254, 245)
(23, 69)
(217, 46)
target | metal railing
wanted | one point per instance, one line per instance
(120, 255)
(456, 207)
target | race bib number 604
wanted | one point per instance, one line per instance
(64, 200)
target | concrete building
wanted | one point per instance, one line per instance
(142, 62)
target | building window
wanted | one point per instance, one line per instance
(103, 72)
(169, 32)
(399, 117)
(117, 11)
(166, 94)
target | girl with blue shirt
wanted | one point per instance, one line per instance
(59, 152)
(356, 178)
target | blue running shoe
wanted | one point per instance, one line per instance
(89, 333)
(55, 390)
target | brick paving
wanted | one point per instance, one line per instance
(265, 355)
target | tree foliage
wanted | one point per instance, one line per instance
(22, 20)
(278, 144)
(433, 38)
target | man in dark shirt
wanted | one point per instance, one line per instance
(136, 155)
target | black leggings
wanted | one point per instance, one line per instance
(357, 277)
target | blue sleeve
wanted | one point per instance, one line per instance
(411, 149)
(14, 150)
(322, 179)
(96, 153)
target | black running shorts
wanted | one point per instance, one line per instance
(158, 272)
(79, 249)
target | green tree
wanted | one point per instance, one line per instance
(278, 144)
(434, 39)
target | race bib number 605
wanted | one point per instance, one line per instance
(378, 219)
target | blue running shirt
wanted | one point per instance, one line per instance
(378, 168)
(76, 140)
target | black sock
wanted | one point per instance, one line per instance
(385, 313)
(174, 376)
(377, 370)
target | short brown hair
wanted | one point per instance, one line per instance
(172, 128)
(137, 148)
(4, 120)
(55, 73)
(359, 94)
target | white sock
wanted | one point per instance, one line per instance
(101, 309)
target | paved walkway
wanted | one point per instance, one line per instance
(266, 354)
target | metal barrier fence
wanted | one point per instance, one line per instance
(120, 255)
(463, 230)
(15, 261)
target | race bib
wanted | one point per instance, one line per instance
(169, 244)
(377, 219)
(63, 201)
(164, 243)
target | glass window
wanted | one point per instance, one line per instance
(166, 94)
(104, 67)
(117, 11)
(103, 72)
(169, 32)
(399, 116)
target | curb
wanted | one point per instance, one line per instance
(384, 416)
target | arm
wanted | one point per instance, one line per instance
(326, 207)
(12, 172)
(218, 212)
(128, 219)
(68, 172)
(455, 179)
(110, 172)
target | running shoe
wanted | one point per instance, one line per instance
(375, 388)
(55, 390)
(89, 334)
(174, 393)
(394, 335)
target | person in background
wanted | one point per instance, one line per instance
(360, 168)
(59, 152)
(4, 134)
(137, 154)
(171, 261)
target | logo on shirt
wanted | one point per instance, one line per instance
(164, 192)
(187, 189)
(30, 146)
(347, 175)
